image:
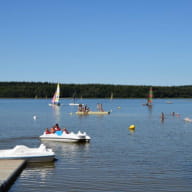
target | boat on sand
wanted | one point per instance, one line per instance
(40, 154)
(62, 136)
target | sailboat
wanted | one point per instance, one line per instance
(74, 103)
(55, 99)
(111, 96)
(150, 98)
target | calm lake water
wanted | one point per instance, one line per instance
(157, 156)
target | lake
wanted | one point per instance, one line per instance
(155, 157)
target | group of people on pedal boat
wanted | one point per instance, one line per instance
(56, 128)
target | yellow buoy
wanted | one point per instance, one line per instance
(132, 127)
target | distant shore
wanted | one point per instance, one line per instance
(42, 90)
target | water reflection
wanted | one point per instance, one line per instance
(9, 139)
(41, 170)
(67, 149)
(56, 112)
(132, 131)
(12, 141)
(43, 165)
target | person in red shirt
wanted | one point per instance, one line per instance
(47, 131)
(56, 127)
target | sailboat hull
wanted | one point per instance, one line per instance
(54, 104)
(72, 104)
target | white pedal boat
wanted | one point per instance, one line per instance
(40, 154)
(187, 119)
(66, 137)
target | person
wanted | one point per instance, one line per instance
(162, 116)
(173, 113)
(80, 107)
(66, 131)
(47, 131)
(56, 127)
(52, 130)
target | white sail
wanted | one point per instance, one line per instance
(56, 96)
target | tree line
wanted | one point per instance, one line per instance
(46, 90)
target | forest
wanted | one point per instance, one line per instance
(46, 90)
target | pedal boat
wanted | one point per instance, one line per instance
(92, 112)
(187, 119)
(40, 154)
(84, 110)
(66, 137)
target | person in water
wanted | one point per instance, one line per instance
(162, 116)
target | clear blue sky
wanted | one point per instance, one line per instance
(128, 42)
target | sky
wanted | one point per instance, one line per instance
(121, 42)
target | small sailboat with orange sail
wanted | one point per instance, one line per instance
(150, 98)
